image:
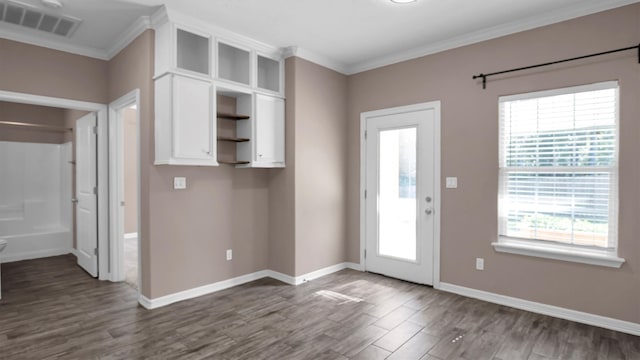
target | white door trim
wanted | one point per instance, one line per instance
(103, 162)
(116, 184)
(434, 105)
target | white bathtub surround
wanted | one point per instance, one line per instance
(35, 200)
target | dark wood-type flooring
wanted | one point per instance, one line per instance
(51, 309)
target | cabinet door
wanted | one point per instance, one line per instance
(193, 121)
(269, 125)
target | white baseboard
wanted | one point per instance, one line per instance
(355, 266)
(74, 252)
(287, 279)
(199, 291)
(225, 284)
(30, 255)
(131, 235)
(550, 310)
(297, 280)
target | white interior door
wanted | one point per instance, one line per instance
(86, 194)
(400, 192)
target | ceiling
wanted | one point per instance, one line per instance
(346, 35)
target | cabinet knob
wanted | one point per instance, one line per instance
(206, 152)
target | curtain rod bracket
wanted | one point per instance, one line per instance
(484, 79)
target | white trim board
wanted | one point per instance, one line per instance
(53, 42)
(37, 254)
(550, 310)
(116, 184)
(225, 284)
(297, 280)
(316, 59)
(199, 291)
(139, 26)
(544, 309)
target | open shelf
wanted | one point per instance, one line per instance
(230, 116)
(232, 139)
(233, 162)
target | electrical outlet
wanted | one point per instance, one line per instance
(479, 264)
(229, 254)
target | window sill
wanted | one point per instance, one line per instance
(558, 252)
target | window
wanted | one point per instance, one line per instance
(558, 173)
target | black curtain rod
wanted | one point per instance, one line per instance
(485, 76)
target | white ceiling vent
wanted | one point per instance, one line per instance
(29, 16)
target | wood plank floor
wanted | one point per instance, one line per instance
(52, 309)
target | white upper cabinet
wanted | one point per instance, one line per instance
(269, 132)
(194, 64)
(197, 51)
(193, 52)
(269, 73)
(234, 63)
(266, 131)
(185, 124)
(183, 50)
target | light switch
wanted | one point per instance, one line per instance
(179, 183)
(452, 183)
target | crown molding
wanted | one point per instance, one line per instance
(163, 14)
(315, 58)
(159, 17)
(513, 27)
(142, 24)
(44, 40)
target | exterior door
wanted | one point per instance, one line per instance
(86, 194)
(400, 179)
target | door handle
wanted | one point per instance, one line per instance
(429, 211)
(74, 200)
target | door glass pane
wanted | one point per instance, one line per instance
(397, 194)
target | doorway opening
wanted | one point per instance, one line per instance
(400, 182)
(124, 167)
(73, 110)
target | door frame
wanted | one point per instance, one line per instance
(103, 162)
(116, 184)
(431, 105)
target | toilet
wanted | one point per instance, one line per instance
(3, 244)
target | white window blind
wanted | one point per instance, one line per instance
(559, 166)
